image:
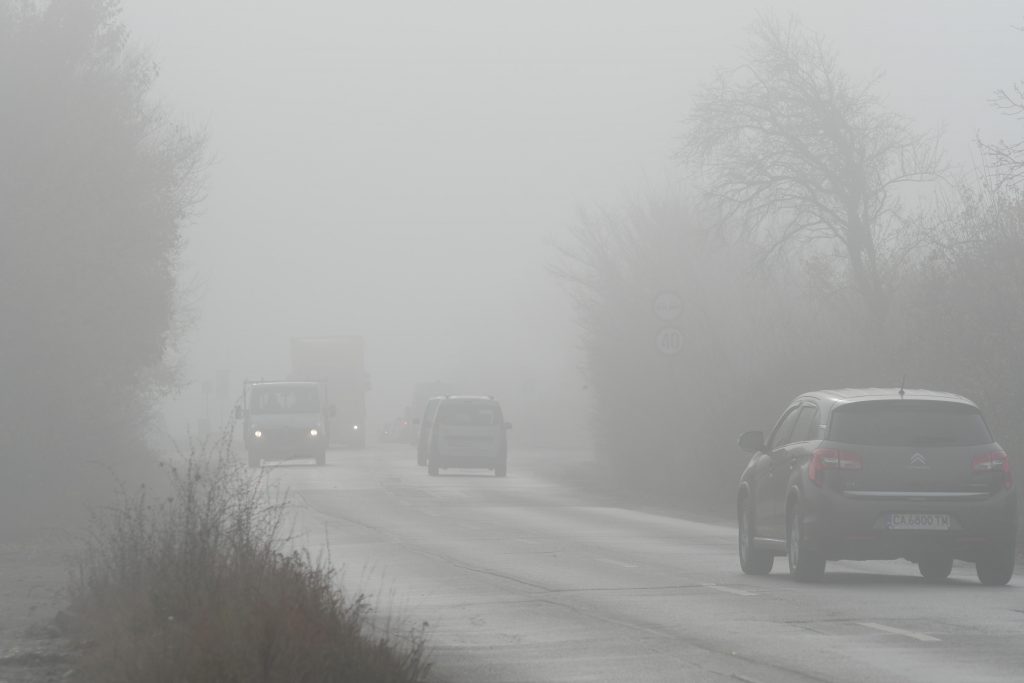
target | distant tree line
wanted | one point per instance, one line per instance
(823, 243)
(96, 182)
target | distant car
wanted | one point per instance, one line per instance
(284, 420)
(468, 431)
(395, 430)
(870, 474)
(423, 435)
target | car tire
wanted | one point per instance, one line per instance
(432, 468)
(501, 469)
(806, 563)
(321, 458)
(935, 566)
(995, 567)
(755, 561)
(421, 460)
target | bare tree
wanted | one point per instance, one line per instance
(1006, 159)
(795, 152)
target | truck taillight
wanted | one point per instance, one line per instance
(995, 461)
(831, 459)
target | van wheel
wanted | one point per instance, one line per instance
(432, 468)
(935, 566)
(806, 563)
(995, 566)
(501, 469)
(321, 458)
(755, 561)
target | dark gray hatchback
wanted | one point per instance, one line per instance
(869, 474)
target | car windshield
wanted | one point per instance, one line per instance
(909, 423)
(284, 400)
(469, 414)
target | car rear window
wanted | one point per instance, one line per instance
(468, 413)
(908, 423)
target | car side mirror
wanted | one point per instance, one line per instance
(239, 413)
(508, 425)
(752, 442)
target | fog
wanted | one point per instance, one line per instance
(401, 170)
(646, 228)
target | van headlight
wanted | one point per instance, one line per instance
(258, 434)
(355, 427)
(314, 432)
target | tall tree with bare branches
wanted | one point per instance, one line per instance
(795, 153)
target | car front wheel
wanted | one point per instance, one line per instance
(752, 560)
(806, 563)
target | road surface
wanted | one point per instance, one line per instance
(524, 579)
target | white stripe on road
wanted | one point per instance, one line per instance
(731, 591)
(923, 637)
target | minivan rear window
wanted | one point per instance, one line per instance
(468, 413)
(908, 423)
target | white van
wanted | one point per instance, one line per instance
(284, 420)
(468, 431)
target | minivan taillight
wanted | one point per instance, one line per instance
(993, 462)
(831, 459)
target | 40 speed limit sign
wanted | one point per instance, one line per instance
(669, 341)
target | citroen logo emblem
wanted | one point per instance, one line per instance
(918, 460)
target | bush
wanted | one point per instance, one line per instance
(199, 586)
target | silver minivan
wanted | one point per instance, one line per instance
(468, 431)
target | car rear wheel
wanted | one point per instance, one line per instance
(321, 458)
(935, 566)
(995, 567)
(421, 460)
(752, 560)
(432, 468)
(806, 563)
(501, 469)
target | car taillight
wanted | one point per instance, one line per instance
(831, 459)
(993, 462)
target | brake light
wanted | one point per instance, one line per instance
(831, 459)
(993, 462)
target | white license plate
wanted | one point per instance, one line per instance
(917, 521)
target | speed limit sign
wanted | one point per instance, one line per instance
(669, 341)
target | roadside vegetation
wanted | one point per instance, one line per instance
(200, 584)
(821, 242)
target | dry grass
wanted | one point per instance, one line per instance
(199, 586)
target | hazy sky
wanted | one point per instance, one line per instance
(399, 169)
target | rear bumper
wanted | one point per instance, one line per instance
(847, 527)
(468, 459)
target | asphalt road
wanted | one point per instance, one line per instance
(525, 579)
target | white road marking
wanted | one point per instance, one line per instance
(731, 591)
(923, 637)
(617, 563)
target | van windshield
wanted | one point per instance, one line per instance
(284, 400)
(915, 424)
(468, 414)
